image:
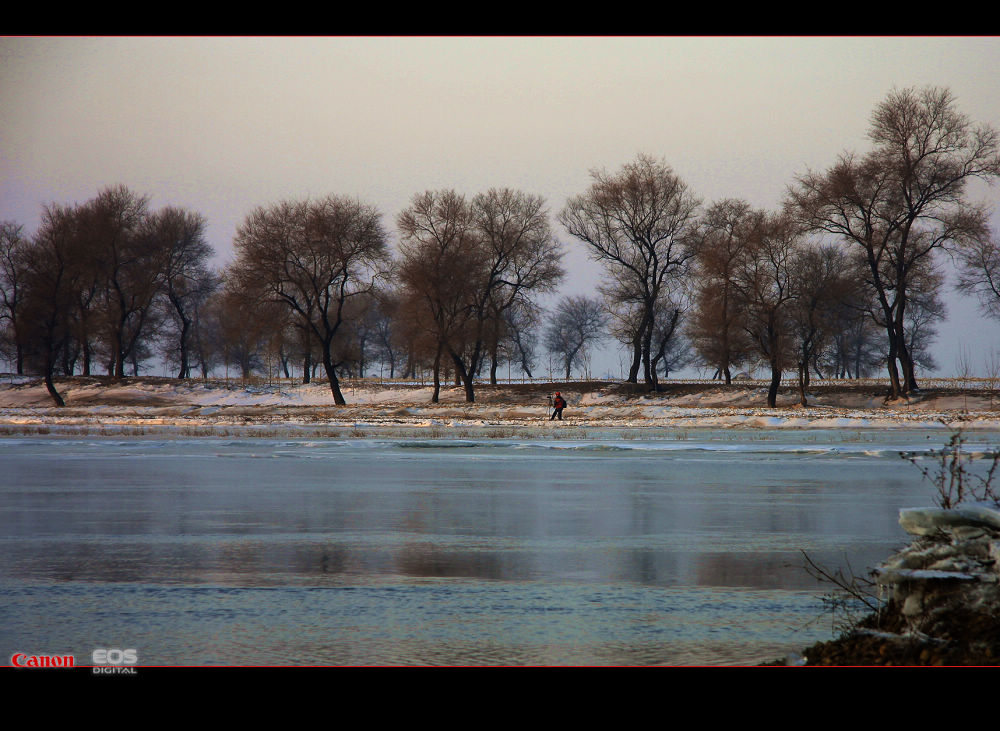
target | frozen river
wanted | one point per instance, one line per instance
(676, 548)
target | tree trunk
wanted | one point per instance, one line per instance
(633, 371)
(894, 389)
(772, 391)
(465, 378)
(661, 352)
(185, 367)
(494, 363)
(67, 361)
(906, 365)
(331, 373)
(647, 346)
(816, 370)
(119, 345)
(49, 385)
(437, 374)
(803, 377)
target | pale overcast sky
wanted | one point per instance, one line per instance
(221, 125)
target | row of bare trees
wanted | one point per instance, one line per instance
(764, 292)
(853, 251)
(311, 280)
(853, 248)
(97, 279)
(470, 272)
(461, 294)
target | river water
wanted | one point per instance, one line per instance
(676, 548)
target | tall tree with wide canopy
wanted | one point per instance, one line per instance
(315, 257)
(639, 224)
(521, 257)
(52, 277)
(467, 264)
(440, 271)
(14, 247)
(187, 279)
(904, 200)
(766, 290)
(128, 264)
(716, 326)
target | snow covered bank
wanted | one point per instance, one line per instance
(212, 405)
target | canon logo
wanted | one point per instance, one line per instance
(22, 660)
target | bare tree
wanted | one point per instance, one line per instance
(925, 311)
(903, 200)
(979, 272)
(575, 325)
(51, 280)
(358, 344)
(638, 222)
(521, 335)
(246, 317)
(118, 266)
(315, 258)
(204, 330)
(13, 263)
(465, 264)
(716, 327)
(187, 280)
(627, 313)
(824, 283)
(389, 347)
(440, 271)
(677, 353)
(522, 257)
(855, 348)
(992, 372)
(765, 287)
(87, 315)
(129, 262)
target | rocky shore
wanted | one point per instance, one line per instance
(943, 596)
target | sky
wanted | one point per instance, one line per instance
(222, 125)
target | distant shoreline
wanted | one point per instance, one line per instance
(140, 406)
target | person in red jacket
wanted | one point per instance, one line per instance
(559, 403)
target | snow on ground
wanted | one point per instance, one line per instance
(169, 403)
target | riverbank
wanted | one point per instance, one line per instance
(214, 406)
(852, 415)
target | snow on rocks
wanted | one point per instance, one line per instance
(952, 564)
(943, 596)
(967, 519)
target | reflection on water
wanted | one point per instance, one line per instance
(434, 622)
(667, 550)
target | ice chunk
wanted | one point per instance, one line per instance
(928, 521)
